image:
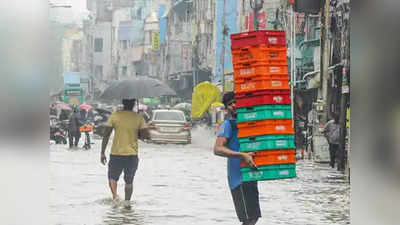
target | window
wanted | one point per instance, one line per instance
(98, 44)
(139, 14)
(124, 70)
(124, 44)
(98, 71)
(169, 116)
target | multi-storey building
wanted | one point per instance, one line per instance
(177, 51)
(204, 36)
(118, 34)
(73, 51)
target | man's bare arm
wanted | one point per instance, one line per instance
(106, 137)
(144, 134)
(220, 149)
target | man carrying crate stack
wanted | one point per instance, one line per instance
(244, 194)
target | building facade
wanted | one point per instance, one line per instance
(177, 58)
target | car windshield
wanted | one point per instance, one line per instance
(169, 116)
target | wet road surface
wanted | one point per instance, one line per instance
(177, 184)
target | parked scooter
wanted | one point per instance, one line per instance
(58, 133)
(100, 119)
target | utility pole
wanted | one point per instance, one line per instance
(223, 48)
(292, 56)
(325, 55)
(344, 87)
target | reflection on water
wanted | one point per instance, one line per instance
(178, 184)
(123, 216)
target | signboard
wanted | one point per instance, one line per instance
(72, 78)
(173, 77)
(345, 89)
(73, 92)
(74, 101)
(156, 41)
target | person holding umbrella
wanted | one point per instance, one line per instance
(74, 133)
(128, 126)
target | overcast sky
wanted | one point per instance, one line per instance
(74, 14)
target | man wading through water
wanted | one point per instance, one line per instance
(128, 126)
(244, 194)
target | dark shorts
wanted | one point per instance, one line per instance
(119, 163)
(245, 198)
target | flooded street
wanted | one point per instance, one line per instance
(177, 184)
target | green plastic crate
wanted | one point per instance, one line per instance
(263, 112)
(267, 142)
(270, 172)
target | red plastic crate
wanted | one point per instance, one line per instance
(259, 53)
(274, 82)
(252, 38)
(264, 97)
(253, 69)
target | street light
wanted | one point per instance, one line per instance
(51, 5)
(256, 5)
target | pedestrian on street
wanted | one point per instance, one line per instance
(244, 194)
(128, 127)
(332, 133)
(74, 134)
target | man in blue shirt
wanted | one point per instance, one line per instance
(244, 194)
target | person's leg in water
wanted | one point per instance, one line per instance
(87, 140)
(246, 201)
(250, 222)
(113, 187)
(129, 174)
(115, 167)
(70, 139)
(77, 137)
(332, 155)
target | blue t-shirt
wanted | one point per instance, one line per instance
(226, 130)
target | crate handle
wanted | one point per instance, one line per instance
(273, 54)
(245, 36)
(252, 138)
(249, 108)
(248, 94)
(252, 124)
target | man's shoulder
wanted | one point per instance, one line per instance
(225, 128)
(226, 124)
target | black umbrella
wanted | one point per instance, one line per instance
(136, 88)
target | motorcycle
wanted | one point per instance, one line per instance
(58, 133)
(99, 125)
(100, 120)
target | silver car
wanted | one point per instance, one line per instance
(169, 126)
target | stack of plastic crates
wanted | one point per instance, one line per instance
(263, 104)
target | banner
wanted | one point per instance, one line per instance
(156, 41)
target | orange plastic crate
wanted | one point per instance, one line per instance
(259, 53)
(271, 82)
(264, 127)
(251, 38)
(253, 69)
(87, 128)
(271, 157)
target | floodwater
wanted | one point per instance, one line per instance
(178, 184)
